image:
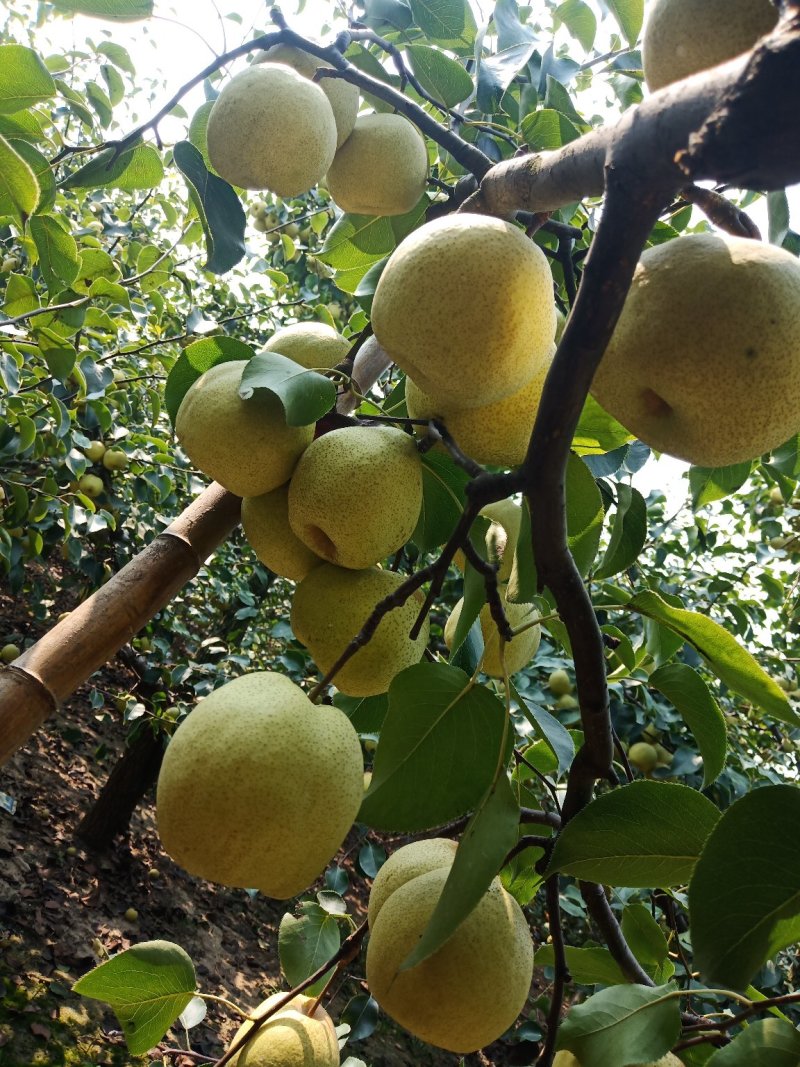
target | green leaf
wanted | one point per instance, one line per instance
(58, 252)
(579, 20)
(598, 432)
(118, 55)
(523, 582)
(445, 22)
(588, 966)
(194, 361)
(305, 944)
(198, 132)
(646, 834)
(629, 14)
(443, 500)
(18, 184)
(58, 354)
(628, 532)
(686, 690)
(20, 295)
(113, 10)
(497, 72)
(147, 985)
(764, 1043)
(708, 484)
(443, 731)
(647, 942)
(778, 216)
(744, 896)
(137, 168)
(584, 514)
(488, 838)
(442, 77)
(623, 1025)
(472, 602)
(41, 172)
(547, 129)
(306, 395)
(357, 241)
(546, 726)
(24, 79)
(219, 208)
(725, 656)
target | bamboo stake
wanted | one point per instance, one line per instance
(49, 671)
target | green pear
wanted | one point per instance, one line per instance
(559, 683)
(94, 451)
(301, 1034)
(567, 1059)
(501, 537)
(265, 521)
(258, 786)
(9, 652)
(311, 344)
(330, 607)
(644, 756)
(90, 485)
(406, 863)
(356, 494)
(115, 459)
(517, 653)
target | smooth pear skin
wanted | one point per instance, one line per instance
(465, 307)
(356, 494)
(265, 521)
(271, 128)
(331, 605)
(259, 786)
(682, 37)
(406, 863)
(517, 653)
(382, 167)
(245, 445)
(705, 361)
(290, 1038)
(313, 345)
(472, 989)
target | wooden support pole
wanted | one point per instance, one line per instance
(49, 671)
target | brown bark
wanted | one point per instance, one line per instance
(48, 672)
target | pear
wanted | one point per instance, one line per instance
(465, 307)
(271, 128)
(470, 990)
(311, 344)
(517, 653)
(704, 363)
(567, 1059)
(682, 37)
(90, 485)
(245, 445)
(406, 863)
(356, 494)
(265, 521)
(382, 167)
(342, 96)
(301, 1034)
(330, 607)
(559, 683)
(643, 755)
(258, 786)
(94, 451)
(114, 459)
(501, 537)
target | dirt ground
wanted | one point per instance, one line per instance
(62, 910)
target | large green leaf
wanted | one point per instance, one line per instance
(732, 663)
(438, 750)
(137, 168)
(629, 14)
(24, 79)
(546, 726)
(580, 20)
(744, 896)
(622, 1025)
(445, 79)
(40, 166)
(443, 499)
(647, 942)
(646, 834)
(58, 252)
(18, 184)
(588, 966)
(765, 1043)
(113, 10)
(219, 208)
(686, 690)
(547, 129)
(597, 431)
(195, 360)
(628, 532)
(306, 395)
(147, 985)
(714, 483)
(306, 943)
(446, 22)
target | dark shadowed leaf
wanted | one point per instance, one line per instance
(361, 1015)
(647, 942)
(443, 500)
(306, 395)
(220, 209)
(765, 1043)
(546, 726)
(628, 532)
(686, 690)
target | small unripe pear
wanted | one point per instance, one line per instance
(560, 683)
(90, 485)
(517, 653)
(94, 451)
(644, 756)
(9, 652)
(115, 460)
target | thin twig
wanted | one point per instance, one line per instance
(562, 975)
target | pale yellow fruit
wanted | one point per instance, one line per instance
(342, 96)
(265, 521)
(245, 445)
(271, 128)
(115, 459)
(465, 306)
(559, 683)
(382, 167)
(90, 485)
(356, 494)
(473, 988)
(331, 605)
(665, 757)
(567, 702)
(311, 344)
(517, 653)
(705, 361)
(682, 37)
(567, 1059)
(406, 863)
(643, 755)
(496, 433)
(292, 1037)
(94, 451)
(259, 787)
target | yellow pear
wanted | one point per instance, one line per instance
(468, 992)
(567, 1059)
(94, 451)
(342, 96)
(517, 653)
(682, 37)
(311, 344)
(297, 1035)
(465, 306)
(643, 755)
(705, 361)
(259, 786)
(331, 605)
(356, 494)
(245, 445)
(265, 521)
(496, 433)
(406, 863)
(382, 167)
(271, 128)
(559, 683)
